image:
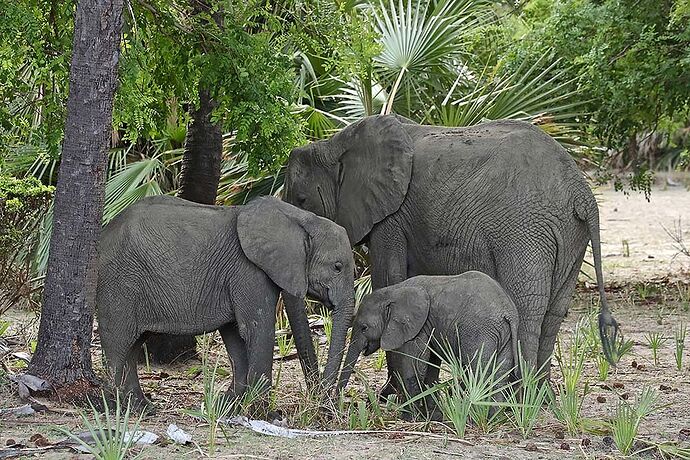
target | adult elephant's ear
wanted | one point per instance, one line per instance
(407, 314)
(273, 239)
(374, 172)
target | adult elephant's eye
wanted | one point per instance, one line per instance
(338, 267)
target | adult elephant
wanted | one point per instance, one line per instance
(502, 198)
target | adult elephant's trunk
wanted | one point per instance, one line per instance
(357, 345)
(342, 319)
(299, 323)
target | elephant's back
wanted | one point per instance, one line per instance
(505, 154)
(472, 288)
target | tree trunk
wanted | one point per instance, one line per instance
(63, 355)
(200, 175)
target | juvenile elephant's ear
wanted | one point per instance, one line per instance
(375, 169)
(409, 311)
(273, 239)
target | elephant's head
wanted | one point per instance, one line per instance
(303, 254)
(356, 178)
(386, 319)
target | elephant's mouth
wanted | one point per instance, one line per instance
(371, 347)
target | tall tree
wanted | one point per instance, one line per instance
(63, 355)
(199, 178)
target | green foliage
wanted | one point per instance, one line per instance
(22, 203)
(567, 406)
(655, 340)
(112, 435)
(679, 339)
(525, 403)
(471, 392)
(628, 59)
(626, 422)
(34, 71)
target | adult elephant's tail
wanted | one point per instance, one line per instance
(587, 210)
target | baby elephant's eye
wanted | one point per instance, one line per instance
(338, 266)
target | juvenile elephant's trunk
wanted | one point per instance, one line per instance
(342, 319)
(357, 345)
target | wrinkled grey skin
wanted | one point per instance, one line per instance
(502, 198)
(460, 314)
(171, 266)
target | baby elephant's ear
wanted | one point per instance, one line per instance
(273, 239)
(409, 310)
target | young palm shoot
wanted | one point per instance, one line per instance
(524, 403)
(471, 391)
(655, 341)
(111, 432)
(568, 405)
(679, 336)
(626, 423)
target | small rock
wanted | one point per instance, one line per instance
(559, 435)
(586, 442)
(565, 446)
(625, 396)
(663, 387)
(39, 440)
(605, 387)
(12, 442)
(634, 364)
(163, 375)
(531, 447)
(650, 256)
(608, 441)
(601, 399)
(684, 434)
(618, 385)
(640, 367)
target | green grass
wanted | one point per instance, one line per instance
(655, 340)
(626, 422)
(112, 432)
(567, 406)
(526, 399)
(471, 392)
(679, 336)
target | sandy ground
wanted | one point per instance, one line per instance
(648, 292)
(636, 234)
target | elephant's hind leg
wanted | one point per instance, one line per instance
(558, 308)
(122, 359)
(237, 351)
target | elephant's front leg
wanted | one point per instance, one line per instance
(237, 351)
(388, 255)
(408, 366)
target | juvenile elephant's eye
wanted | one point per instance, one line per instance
(338, 266)
(364, 328)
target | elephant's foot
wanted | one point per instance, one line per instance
(387, 390)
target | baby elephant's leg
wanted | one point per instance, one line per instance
(409, 369)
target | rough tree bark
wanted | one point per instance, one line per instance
(63, 355)
(199, 179)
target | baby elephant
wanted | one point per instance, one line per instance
(169, 266)
(439, 311)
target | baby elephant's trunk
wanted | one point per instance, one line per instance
(357, 345)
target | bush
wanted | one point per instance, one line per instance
(22, 204)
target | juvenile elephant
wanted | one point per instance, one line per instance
(424, 318)
(501, 197)
(171, 266)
